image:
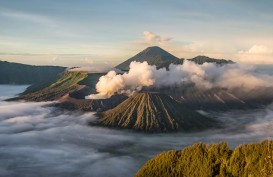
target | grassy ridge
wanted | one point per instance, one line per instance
(54, 89)
(215, 160)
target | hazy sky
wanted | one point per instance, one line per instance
(89, 32)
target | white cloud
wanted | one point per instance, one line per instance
(258, 49)
(184, 49)
(257, 54)
(89, 60)
(152, 38)
(54, 59)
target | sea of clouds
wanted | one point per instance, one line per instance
(37, 140)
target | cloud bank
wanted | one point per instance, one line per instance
(152, 38)
(36, 140)
(258, 49)
(256, 54)
(206, 76)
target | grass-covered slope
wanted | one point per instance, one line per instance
(15, 73)
(154, 112)
(215, 160)
(54, 89)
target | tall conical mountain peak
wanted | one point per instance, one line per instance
(154, 56)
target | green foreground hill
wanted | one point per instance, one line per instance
(215, 160)
(154, 112)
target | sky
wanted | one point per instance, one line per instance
(107, 32)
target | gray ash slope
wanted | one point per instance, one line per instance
(154, 112)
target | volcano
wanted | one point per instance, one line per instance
(154, 56)
(154, 112)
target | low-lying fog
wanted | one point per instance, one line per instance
(40, 141)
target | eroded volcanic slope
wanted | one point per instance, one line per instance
(153, 112)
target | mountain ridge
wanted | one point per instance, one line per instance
(201, 59)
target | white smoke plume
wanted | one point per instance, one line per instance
(207, 75)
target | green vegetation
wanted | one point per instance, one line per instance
(215, 160)
(154, 112)
(52, 90)
(15, 73)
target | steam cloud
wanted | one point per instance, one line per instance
(206, 76)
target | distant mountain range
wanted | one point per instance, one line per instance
(161, 58)
(16, 73)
